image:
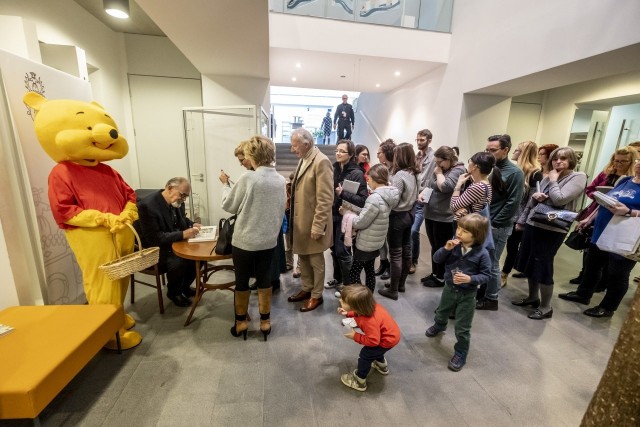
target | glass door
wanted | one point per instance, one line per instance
(211, 135)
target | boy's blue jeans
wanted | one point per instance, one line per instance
(367, 356)
(462, 302)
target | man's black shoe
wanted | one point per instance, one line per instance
(189, 293)
(575, 297)
(180, 300)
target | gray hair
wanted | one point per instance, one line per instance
(305, 136)
(175, 182)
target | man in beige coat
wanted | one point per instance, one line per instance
(310, 217)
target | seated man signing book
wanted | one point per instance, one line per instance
(163, 221)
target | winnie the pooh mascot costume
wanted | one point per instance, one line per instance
(89, 200)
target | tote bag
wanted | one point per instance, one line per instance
(621, 236)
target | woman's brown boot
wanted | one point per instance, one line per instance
(241, 304)
(264, 305)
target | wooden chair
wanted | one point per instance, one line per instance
(160, 283)
(151, 271)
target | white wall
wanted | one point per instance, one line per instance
(496, 41)
(66, 23)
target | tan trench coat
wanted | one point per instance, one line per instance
(311, 201)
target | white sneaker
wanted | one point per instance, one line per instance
(352, 380)
(332, 284)
(349, 321)
(381, 367)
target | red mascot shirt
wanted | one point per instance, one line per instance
(74, 188)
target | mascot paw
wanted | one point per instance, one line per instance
(128, 339)
(129, 322)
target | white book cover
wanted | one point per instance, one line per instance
(604, 200)
(350, 186)
(5, 329)
(207, 233)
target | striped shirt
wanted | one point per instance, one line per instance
(475, 197)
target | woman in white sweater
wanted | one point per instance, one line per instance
(258, 200)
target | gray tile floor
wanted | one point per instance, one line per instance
(519, 371)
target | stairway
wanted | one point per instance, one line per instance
(287, 162)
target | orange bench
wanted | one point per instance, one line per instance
(47, 348)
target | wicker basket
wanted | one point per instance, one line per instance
(129, 264)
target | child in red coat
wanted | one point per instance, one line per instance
(381, 333)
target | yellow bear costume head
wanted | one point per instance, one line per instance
(76, 131)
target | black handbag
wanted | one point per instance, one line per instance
(579, 239)
(553, 217)
(225, 234)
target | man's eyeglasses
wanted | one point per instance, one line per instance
(184, 195)
(341, 152)
(492, 150)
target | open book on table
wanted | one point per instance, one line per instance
(207, 233)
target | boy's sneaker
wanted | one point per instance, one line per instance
(457, 361)
(352, 380)
(433, 330)
(331, 284)
(381, 367)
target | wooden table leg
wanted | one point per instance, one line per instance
(199, 291)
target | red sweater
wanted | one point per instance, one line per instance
(379, 329)
(74, 188)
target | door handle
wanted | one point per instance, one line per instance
(198, 176)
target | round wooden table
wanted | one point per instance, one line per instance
(202, 253)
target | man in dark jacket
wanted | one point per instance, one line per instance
(162, 222)
(503, 209)
(344, 118)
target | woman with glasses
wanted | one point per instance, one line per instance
(543, 158)
(619, 166)
(345, 168)
(560, 189)
(404, 177)
(438, 216)
(258, 200)
(627, 193)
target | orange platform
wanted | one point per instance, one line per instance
(47, 348)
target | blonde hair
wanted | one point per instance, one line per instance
(261, 150)
(239, 150)
(528, 160)
(477, 226)
(630, 151)
(359, 298)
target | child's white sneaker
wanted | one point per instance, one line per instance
(352, 380)
(349, 321)
(381, 367)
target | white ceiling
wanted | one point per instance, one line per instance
(231, 37)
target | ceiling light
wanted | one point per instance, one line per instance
(377, 84)
(298, 65)
(293, 79)
(397, 73)
(117, 8)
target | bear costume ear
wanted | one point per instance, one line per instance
(97, 105)
(34, 100)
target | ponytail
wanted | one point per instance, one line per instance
(497, 185)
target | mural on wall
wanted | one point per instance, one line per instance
(63, 276)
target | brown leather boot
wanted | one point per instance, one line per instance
(264, 305)
(241, 304)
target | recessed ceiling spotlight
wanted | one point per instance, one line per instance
(377, 84)
(293, 79)
(117, 8)
(298, 65)
(342, 77)
(397, 73)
